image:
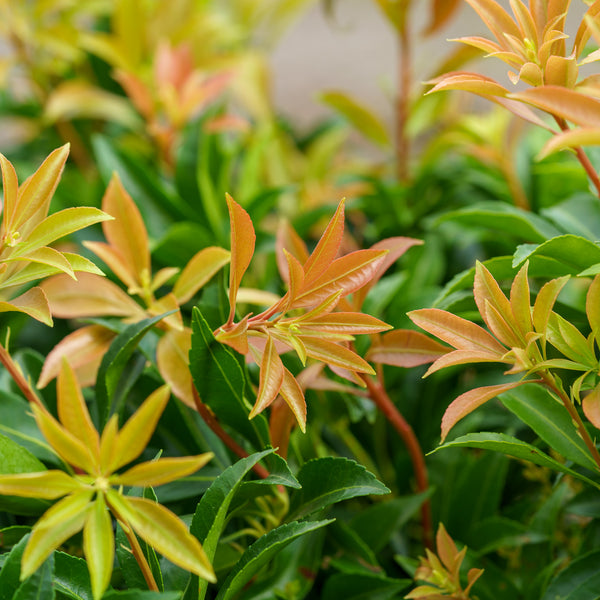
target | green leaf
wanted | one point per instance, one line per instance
(263, 550)
(504, 218)
(39, 585)
(14, 459)
(579, 215)
(71, 576)
(562, 255)
(364, 120)
(221, 382)
(579, 581)
(363, 587)
(114, 362)
(510, 446)
(539, 409)
(141, 595)
(12, 535)
(209, 518)
(11, 571)
(328, 480)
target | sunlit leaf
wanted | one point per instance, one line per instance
(33, 303)
(136, 433)
(57, 525)
(583, 136)
(201, 267)
(172, 361)
(72, 410)
(292, 393)
(460, 333)
(161, 529)
(48, 485)
(496, 18)
(468, 82)
(161, 471)
(591, 407)
(99, 545)
(335, 354)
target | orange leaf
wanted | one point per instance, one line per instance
(327, 247)
(396, 247)
(468, 82)
(85, 348)
(585, 136)
(235, 336)
(346, 274)
(127, 233)
(10, 186)
(281, 421)
(496, 18)
(458, 332)
(591, 407)
(293, 395)
(288, 239)
(566, 103)
(243, 239)
(33, 303)
(295, 276)
(353, 323)
(271, 379)
(462, 357)
(334, 354)
(115, 262)
(441, 12)
(89, 296)
(406, 348)
(466, 403)
(583, 33)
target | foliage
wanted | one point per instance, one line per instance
(240, 410)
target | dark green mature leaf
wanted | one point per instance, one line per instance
(579, 215)
(579, 581)
(263, 550)
(328, 480)
(11, 571)
(71, 576)
(9, 536)
(209, 518)
(562, 255)
(363, 587)
(377, 524)
(38, 586)
(114, 362)
(504, 218)
(17, 424)
(539, 409)
(141, 595)
(221, 383)
(506, 444)
(16, 459)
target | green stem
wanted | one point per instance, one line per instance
(139, 557)
(550, 382)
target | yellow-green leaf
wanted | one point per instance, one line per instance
(57, 525)
(10, 186)
(161, 471)
(46, 485)
(45, 256)
(72, 410)
(161, 529)
(363, 119)
(583, 136)
(136, 433)
(201, 267)
(99, 546)
(33, 303)
(173, 363)
(335, 354)
(70, 448)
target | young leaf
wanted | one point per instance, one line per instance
(591, 407)
(466, 403)
(271, 379)
(243, 239)
(99, 546)
(405, 348)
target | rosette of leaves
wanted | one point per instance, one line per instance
(27, 232)
(304, 319)
(127, 254)
(533, 44)
(91, 488)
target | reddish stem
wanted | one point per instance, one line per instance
(213, 423)
(19, 379)
(582, 157)
(384, 403)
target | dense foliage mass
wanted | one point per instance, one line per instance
(216, 328)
